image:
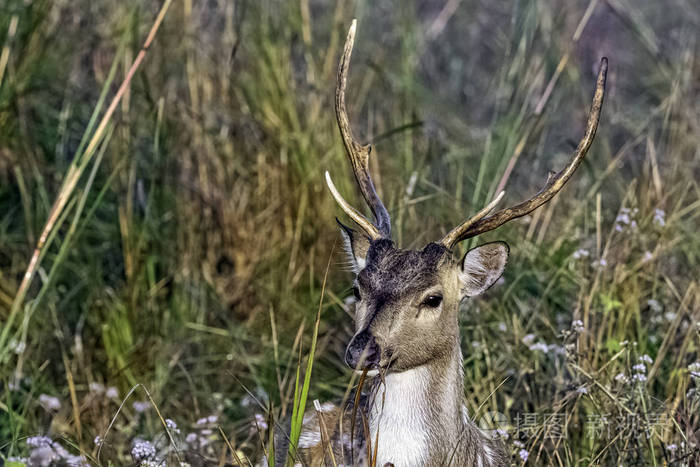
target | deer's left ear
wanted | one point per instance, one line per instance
(482, 266)
(356, 247)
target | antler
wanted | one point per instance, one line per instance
(359, 157)
(479, 223)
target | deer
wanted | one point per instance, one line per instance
(407, 335)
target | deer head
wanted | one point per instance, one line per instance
(408, 300)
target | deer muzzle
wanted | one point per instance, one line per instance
(363, 351)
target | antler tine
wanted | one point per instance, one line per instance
(366, 225)
(358, 153)
(480, 224)
(452, 237)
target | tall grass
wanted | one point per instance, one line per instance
(192, 251)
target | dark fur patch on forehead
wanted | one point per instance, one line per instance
(393, 271)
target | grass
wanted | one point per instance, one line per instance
(186, 239)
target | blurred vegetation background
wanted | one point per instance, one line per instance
(189, 256)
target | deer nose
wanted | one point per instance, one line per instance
(363, 351)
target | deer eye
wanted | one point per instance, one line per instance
(433, 301)
(356, 292)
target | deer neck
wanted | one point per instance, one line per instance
(418, 414)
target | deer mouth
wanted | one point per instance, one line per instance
(380, 369)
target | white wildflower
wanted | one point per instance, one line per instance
(50, 403)
(143, 450)
(654, 305)
(582, 390)
(112, 393)
(528, 339)
(98, 440)
(639, 378)
(694, 369)
(42, 456)
(39, 441)
(260, 422)
(213, 418)
(541, 346)
(503, 434)
(60, 450)
(17, 347)
(581, 253)
(622, 378)
(640, 368)
(672, 448)
(502, 326)
(556, 349)
(518, 444)
(648, 256)
(523, 454)
(172, 426)
(623, 217)
(141, 406)
(96, 388)
(577, 326)
(659, 217)
(646, 359)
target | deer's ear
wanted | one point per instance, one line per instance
(356, 247)
(482, 266)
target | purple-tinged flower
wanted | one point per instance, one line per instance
(622, 378)
(143, 450)
(39, 441)
(659, 217)
(581, 253)
(523, 454)
(646, 359)
(528, 339)
(141, 406)
(112, 393)
(639, 378)
(172, 426)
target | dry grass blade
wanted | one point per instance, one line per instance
(75, 172)
(353, 416)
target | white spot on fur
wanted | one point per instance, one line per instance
(370, 373)
(488, 452)
(327, 407)
(401, 422)
(465, 414)
(358, 264)
(309, 439)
